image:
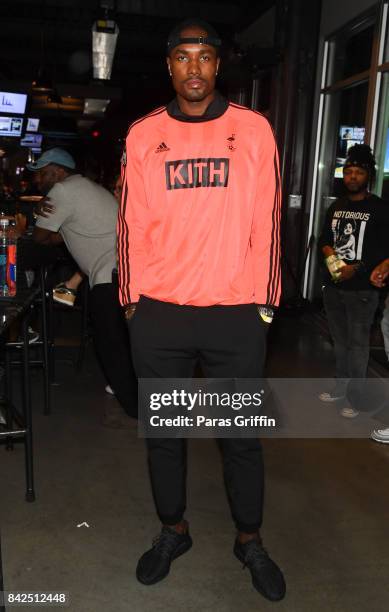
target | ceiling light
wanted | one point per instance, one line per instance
(104, 39)
(95, 107)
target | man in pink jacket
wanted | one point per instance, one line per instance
(199, 273)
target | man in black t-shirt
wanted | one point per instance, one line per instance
(354, 240)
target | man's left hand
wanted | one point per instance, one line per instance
(44, 208)
(347, 272)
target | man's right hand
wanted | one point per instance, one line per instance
(347, 272)
(44, 208)
(129, 311)
(380, 274)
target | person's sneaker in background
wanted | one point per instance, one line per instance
(381, 435)
(3, 420)
(33, 336)
(349, 412)
(331, 396)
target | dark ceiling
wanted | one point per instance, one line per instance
(64, 28)
(57, 35)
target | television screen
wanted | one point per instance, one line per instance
(348, 137)
(386, 163)
(12, 103)
(34, 141)
(11, 126)
(32, 125)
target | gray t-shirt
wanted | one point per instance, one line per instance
(85, 215)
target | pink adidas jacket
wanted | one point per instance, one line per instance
(199, 221)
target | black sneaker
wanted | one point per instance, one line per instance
(266, 576)
(154, 565)
(32, 336)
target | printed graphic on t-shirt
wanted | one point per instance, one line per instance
(348, 228)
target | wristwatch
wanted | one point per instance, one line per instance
(266, 313)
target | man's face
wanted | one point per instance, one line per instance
(47, 178)
(193, 67)
(355, 179)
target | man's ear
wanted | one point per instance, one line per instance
(217, 65)
(168, 66)
(60, 174)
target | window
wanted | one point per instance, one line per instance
(382, 142)
(350, 54)
(346, 117)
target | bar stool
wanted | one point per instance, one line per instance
(40, 301)
(18, 424)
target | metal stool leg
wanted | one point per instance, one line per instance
(45, 351)
(50, 319)
(30, 493)
(2, 607)
(8, 395)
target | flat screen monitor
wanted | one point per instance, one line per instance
(33, 141)
(386, 163)
(11, 126)
(12, 103)
(348, 137)
(32, 124)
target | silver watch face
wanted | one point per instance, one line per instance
(266, 314)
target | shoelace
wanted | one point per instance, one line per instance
(165, 542)
(255, 555)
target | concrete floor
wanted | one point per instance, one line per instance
(326, 512)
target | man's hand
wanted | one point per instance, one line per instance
(339, 270)
(347, 272)
(44, 208)
(380, 274)
(129, 311)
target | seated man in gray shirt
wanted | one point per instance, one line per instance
(84, 216)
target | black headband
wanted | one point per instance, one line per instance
(197, 40)
(360, 164)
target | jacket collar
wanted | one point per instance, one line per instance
(215, 109)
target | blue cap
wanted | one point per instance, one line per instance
(53, 156)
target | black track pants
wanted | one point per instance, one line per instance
(113, 346)
(228, 341)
